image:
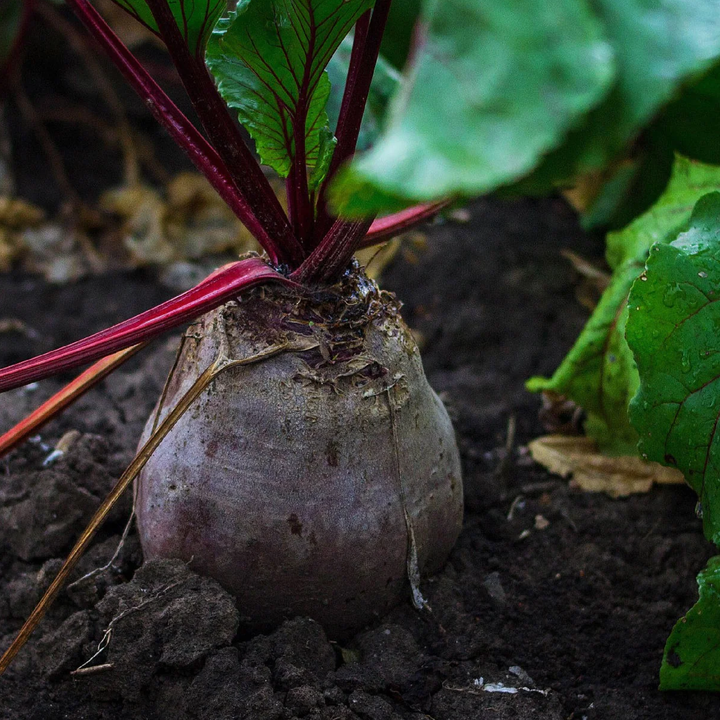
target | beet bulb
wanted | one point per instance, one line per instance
(304, 481)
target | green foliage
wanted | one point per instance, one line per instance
(492, 88)
(269, 58)
(692, 653)
(496, 86)
(658, 45)
(690, 180)
(195, 18)
(673, 333)
(690, 123)
(599, 373)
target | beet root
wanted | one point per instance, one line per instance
(304, 481)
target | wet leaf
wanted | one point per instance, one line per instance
(673, 331)
(465, 123)
(692, 653)
(599, 372)
(268, 58)
(594, 471)
(493, 87)
(668, 216)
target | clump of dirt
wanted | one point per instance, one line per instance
(555, 604)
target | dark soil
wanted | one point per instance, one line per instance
(576, 614)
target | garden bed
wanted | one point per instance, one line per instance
(570, 596)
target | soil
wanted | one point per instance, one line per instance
(574, 613)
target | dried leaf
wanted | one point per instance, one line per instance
(18, 214)
(618, 476)
(198, 222)
(142, 211)
(59, 254)
(15, 216)
(191, 221)
(140, 225)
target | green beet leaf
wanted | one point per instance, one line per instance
(688, 125)
(599, 373)
(195, 18)
(690, 180)
(692, 653)
(659, 45)
(493, 87)
(268, 59)
(673, 330)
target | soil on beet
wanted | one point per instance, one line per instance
(576, 614)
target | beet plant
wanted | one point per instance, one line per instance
(297, 453)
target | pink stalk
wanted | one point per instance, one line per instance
(65, 397)
(357, 88)
(360, 36)
(386, 227)
(223, 285)
(185, 134)
(330, 258)
(226, 138)
(301, 211)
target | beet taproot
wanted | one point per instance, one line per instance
(304, 481)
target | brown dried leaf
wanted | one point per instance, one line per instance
(15, 217)
(594, 472)
(198, 222)
(588, 186)
(143, 212)
(191, 221)
(18, 214)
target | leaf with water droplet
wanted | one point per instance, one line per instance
(599, 373)
(677, 349)
(691, 660)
